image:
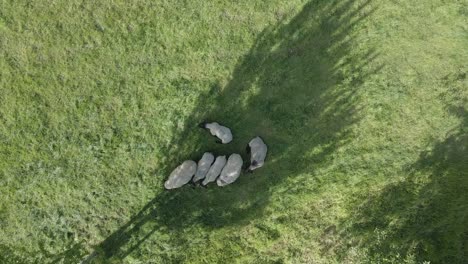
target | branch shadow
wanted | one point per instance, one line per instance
(425, 217)
(289, 90)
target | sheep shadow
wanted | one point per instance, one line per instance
(289, 90)
(425, 217)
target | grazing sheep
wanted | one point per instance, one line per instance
(215, 170)
(231, 171)
(181, 175)
(221, 132)
(203, 166)
(258, 150)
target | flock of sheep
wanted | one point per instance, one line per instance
(222, 171)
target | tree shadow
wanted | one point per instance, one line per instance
(289, 90)
(425, 217)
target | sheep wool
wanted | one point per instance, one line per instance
(181, 175)
(231, 171)
(215, 170)
(258, 152)
(221, 132)
(203, 166)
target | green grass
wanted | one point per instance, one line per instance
(364, 106)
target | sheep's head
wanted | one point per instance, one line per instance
(254, 165)
(203, 124)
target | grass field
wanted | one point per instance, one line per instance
(364, 106)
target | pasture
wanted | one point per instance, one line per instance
(363, 104)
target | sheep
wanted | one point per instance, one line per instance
(231, 171)
(258, 150)
(223, 133)
(181, 175)
(215, 170)
(203, 166)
